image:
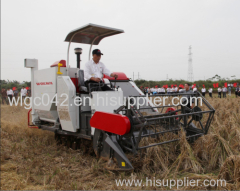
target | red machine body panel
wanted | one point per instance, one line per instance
(171, 109)
(110, 122)
(55, 64)
(121, 76)
(75, 82)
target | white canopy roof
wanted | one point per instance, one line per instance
(91, 34)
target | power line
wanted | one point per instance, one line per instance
(190, 67)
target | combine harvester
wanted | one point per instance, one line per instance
(113, 130)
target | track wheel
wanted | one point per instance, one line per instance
(58, 139)
(74, 145)
(69, 143)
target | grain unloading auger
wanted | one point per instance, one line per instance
(132, 123)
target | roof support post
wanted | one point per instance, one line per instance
(91, 47)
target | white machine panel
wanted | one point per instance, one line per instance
(45, 85)
(131, 89)
(68, 112)
(45, 91)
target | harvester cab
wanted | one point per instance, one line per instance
(116, 122)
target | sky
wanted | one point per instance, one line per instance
(155, 43)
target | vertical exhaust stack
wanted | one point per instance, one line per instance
(33, 64)
(78, 52)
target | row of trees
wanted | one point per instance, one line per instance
(10, 84)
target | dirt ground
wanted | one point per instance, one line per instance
(31, 159)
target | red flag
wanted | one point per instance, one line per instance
(235, 85)
(13, 88)
(156, 86)
(203, 85)
(27, 88)
(166, 86)
(225, 84)
(171, 86)
(216, 85)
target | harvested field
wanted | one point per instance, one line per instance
(31, 159)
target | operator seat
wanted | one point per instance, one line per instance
(81, 84)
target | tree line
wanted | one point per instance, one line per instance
(10, 84)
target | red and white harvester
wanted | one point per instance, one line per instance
(114, 129)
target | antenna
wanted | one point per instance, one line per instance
(190, 67)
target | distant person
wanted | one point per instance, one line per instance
(29, 94)
(181, 90)
(236, 91)
(220, 92)
(172, 90)
(145, 91)
(23, 92)
(10, 94)
(168, 90)
(15, 93)
(239, 90)
(203, 91)
(4, 96)
(224, 90)
(164, 90)
(186, 98)
(195, 89)
(210, 92)
(229, 90)
(176, 89)
(149, 91)
(154, 91)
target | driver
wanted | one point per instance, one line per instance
(94, 70)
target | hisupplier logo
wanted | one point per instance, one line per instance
(45, 99)
(171, 183)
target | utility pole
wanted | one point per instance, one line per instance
(190, 67)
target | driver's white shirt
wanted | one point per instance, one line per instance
(92, 69)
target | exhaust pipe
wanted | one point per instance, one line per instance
(78, 51)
